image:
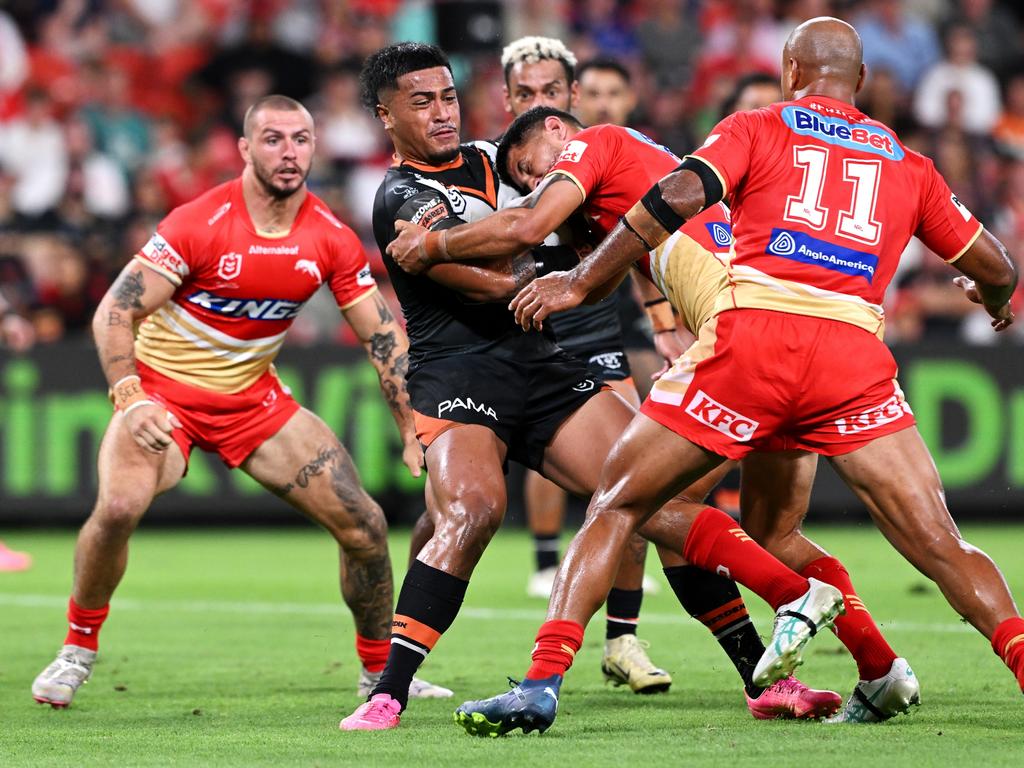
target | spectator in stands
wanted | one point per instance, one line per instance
(997, 32)
(605, 92)
(897, 41)
(33, 152)
(95, 178)
(669, 43)
(752, 91)
(959, 72)
(1009, 129)
(13, 64)
(119, 129)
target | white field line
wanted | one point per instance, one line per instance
(485, 614)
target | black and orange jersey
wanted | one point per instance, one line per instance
(440, 321)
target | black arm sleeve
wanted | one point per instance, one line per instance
(713, 191)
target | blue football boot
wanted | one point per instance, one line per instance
(530, 705)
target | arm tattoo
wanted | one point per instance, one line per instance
(121, 359)
(128, 290)
(382, 347)
(383, 312)
(117, 319)
(524, 270)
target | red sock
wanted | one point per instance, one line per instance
(557, 643)
(1008, 643)
(84, 625)
(373, 653)
(716, 543)
(856, 629)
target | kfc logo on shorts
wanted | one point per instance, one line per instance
(709, 411)
(230, 266)
(891, 410)
(572, 152)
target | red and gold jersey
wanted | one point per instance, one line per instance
(824, 201)
(613, 168)
(238, 290)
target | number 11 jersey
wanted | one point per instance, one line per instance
(824, 200)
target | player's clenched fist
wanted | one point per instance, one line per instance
(416, 248)
(552, 293)
(150, 425)
(1002, 316)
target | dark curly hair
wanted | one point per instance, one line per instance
(519, 131)
(382, 69)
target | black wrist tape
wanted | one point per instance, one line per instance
(627, 225)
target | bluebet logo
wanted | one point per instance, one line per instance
(835, 130)
(797, 246)
(721, 233)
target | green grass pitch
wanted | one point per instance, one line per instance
(231, 648)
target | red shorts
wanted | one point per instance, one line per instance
(757, 380)
(232, 426)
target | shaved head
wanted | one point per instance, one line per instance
(823, 49)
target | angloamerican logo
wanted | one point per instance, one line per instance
(720, 232)
(835, 130)
(790, 244)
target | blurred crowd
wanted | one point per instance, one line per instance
(112, 112)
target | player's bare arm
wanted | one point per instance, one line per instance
(502, 235)
(491, 280)
(666, 206)
(387, 348)
(137, 292)
(990, 278)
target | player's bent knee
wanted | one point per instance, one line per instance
(120, 511)
(472, 516)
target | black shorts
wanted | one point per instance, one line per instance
(522, 402)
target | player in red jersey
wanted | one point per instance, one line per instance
(215, 290)
(824, 201)
(609, 168)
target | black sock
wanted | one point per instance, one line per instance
(715, 602)
(545, 549)
(623, 606)
(427, 606)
